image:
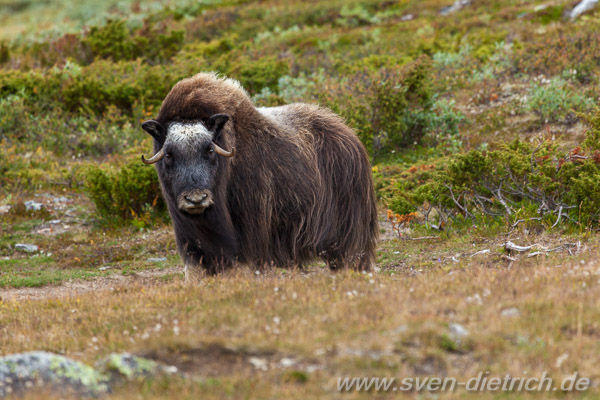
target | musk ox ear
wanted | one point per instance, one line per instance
(156, 130)
(215, 124)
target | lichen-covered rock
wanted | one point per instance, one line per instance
(129, 367)
(21, 372)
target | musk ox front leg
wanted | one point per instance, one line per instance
(197, 263)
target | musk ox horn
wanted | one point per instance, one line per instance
(155, 158)
(222, 152)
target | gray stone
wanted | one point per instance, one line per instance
(157, 259)
(458, 4)
(27, 248)
(61, 199)
(458, 330)
(20, 372)
(130, 367)
(33, 205)
(61, 375)
(510, 312)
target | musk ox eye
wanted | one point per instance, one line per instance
(168, 158)
(211, 150)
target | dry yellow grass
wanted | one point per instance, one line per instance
(334, 325)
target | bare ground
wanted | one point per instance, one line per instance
(80, 286)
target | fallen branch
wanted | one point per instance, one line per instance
(510, 246)
(420, 238)
(486, 251)
(536, 253)
(526, 219)
(582, 7)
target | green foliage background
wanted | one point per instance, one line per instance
(454, 105)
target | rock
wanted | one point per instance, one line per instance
(510, 312)
(62, 375)
(20, 372)
(561, 359)
(27, 248)
(259, 363)
(583, 6)
(287, 362)
(61, 199)
(458, 4)
(4, 209)
(458, 330)
(400, 329)
(157, 259)
(33, 205)
(105, 268)
(129, 367)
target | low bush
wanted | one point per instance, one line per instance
(556, 101)
(517, 182)
(258, 74)
(129, 194)
(117, 42)
(391, 107)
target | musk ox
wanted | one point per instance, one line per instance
(262, 186)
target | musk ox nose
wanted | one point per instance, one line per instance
(196, 198)
(195, 201)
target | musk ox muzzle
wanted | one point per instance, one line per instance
(195, 201)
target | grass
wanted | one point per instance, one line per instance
(347, 324)
(39, 271)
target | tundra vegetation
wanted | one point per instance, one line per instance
(483, 128)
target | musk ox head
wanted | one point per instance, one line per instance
(188, 160)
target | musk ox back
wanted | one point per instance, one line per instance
(263, 186)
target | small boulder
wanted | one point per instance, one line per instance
(33, 205)
(126, 366)
(27, 248)
(20, 372)
(510, 312)
(458, 330)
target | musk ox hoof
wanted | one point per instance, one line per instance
(193, 274)
(195, 201)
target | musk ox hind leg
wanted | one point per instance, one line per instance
(360, 262)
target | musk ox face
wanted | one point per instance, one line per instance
(188, 160)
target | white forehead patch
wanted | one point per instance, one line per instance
(188, 134)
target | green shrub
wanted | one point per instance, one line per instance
(4, 52)
(556, 100)
(254, 75)
(13, 117)
(391, 107)
(116, 41)
(113, 41)
(356, 15)
(519, 181)
(35, 87)
(130, 194)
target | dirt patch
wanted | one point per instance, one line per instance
(80, 286)
(211, 360)
(215, 360)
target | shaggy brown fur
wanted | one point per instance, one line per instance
(299, 186)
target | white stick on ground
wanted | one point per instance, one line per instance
(582, 7)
